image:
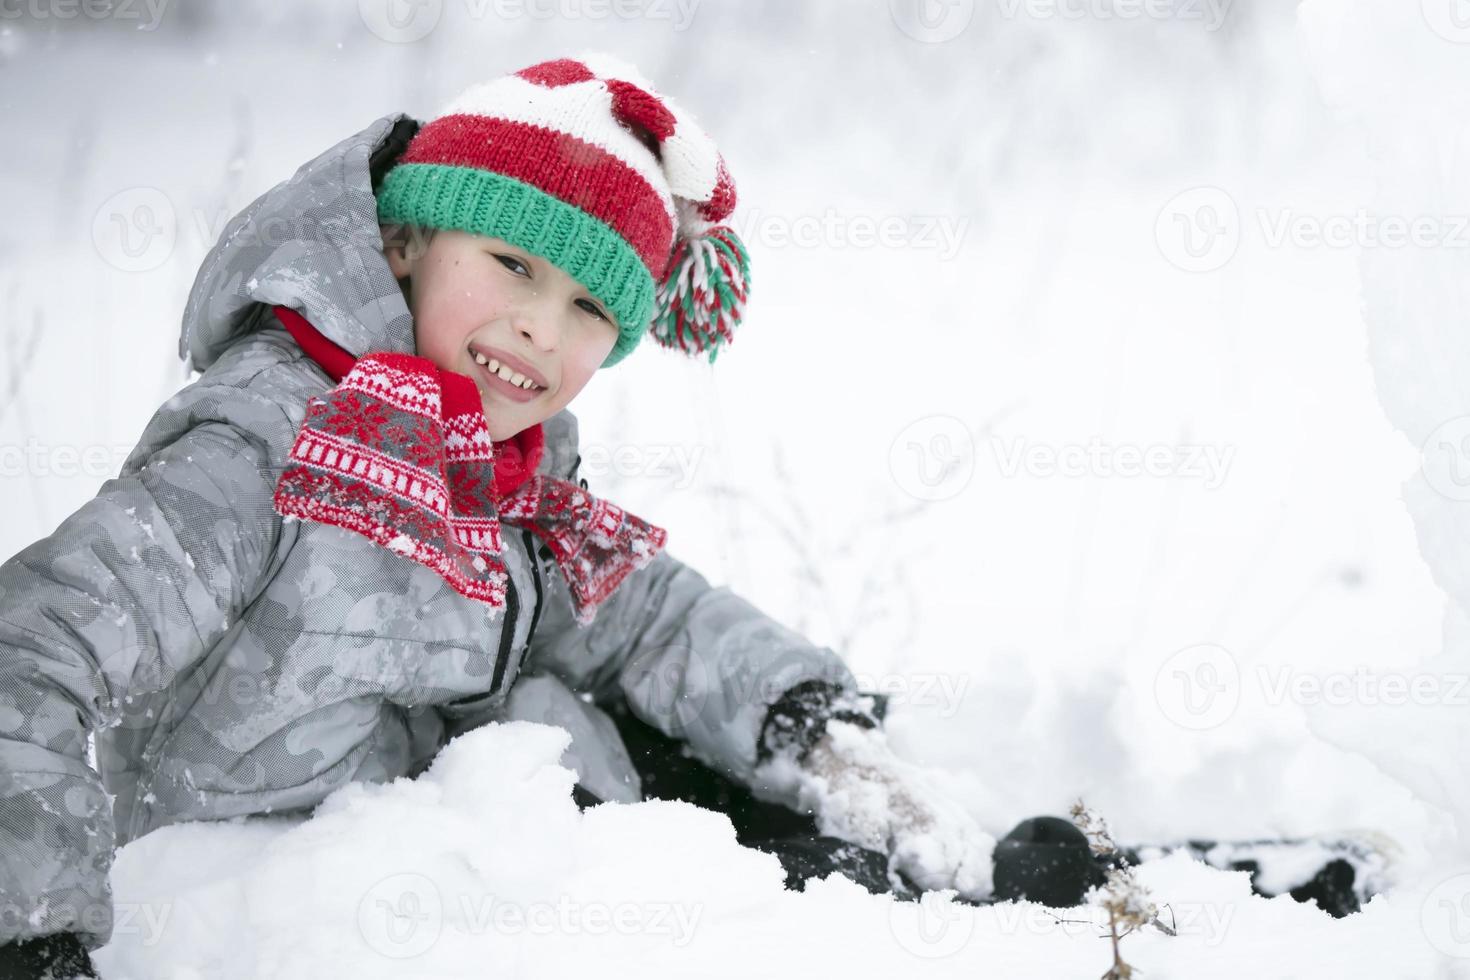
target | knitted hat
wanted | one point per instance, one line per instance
(580, 162)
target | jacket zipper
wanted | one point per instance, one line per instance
(507, 631)
(536, 573)
(512, 608)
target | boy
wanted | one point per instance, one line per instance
(321, 561)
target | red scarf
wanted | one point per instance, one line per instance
(399, 452)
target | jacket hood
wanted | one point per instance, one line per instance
(311, 243)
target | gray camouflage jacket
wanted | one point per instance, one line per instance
(231, 662)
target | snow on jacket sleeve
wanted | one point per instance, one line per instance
(119, 601)
(698, 662)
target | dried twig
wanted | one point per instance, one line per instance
(1126, 901)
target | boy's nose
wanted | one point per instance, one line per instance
(537, 326)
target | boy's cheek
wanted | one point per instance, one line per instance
(571, 387)
(437, 339)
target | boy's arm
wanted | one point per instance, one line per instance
(702, 664)
(119, 601)
(698, 662)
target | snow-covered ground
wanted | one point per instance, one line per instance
(994, 275)
(484, 867)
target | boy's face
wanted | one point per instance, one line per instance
(475, 298)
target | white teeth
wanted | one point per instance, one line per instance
(505, 373)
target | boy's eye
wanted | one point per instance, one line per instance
(517, 266)
(513, 264)
(592, 308)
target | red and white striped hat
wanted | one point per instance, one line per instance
(580, 161)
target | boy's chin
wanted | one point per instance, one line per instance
(503, 425)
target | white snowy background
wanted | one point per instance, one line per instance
(985, 234)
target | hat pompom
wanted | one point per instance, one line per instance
(702, 296)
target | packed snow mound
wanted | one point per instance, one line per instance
(483, 866)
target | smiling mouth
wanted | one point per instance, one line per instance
(504, 373)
